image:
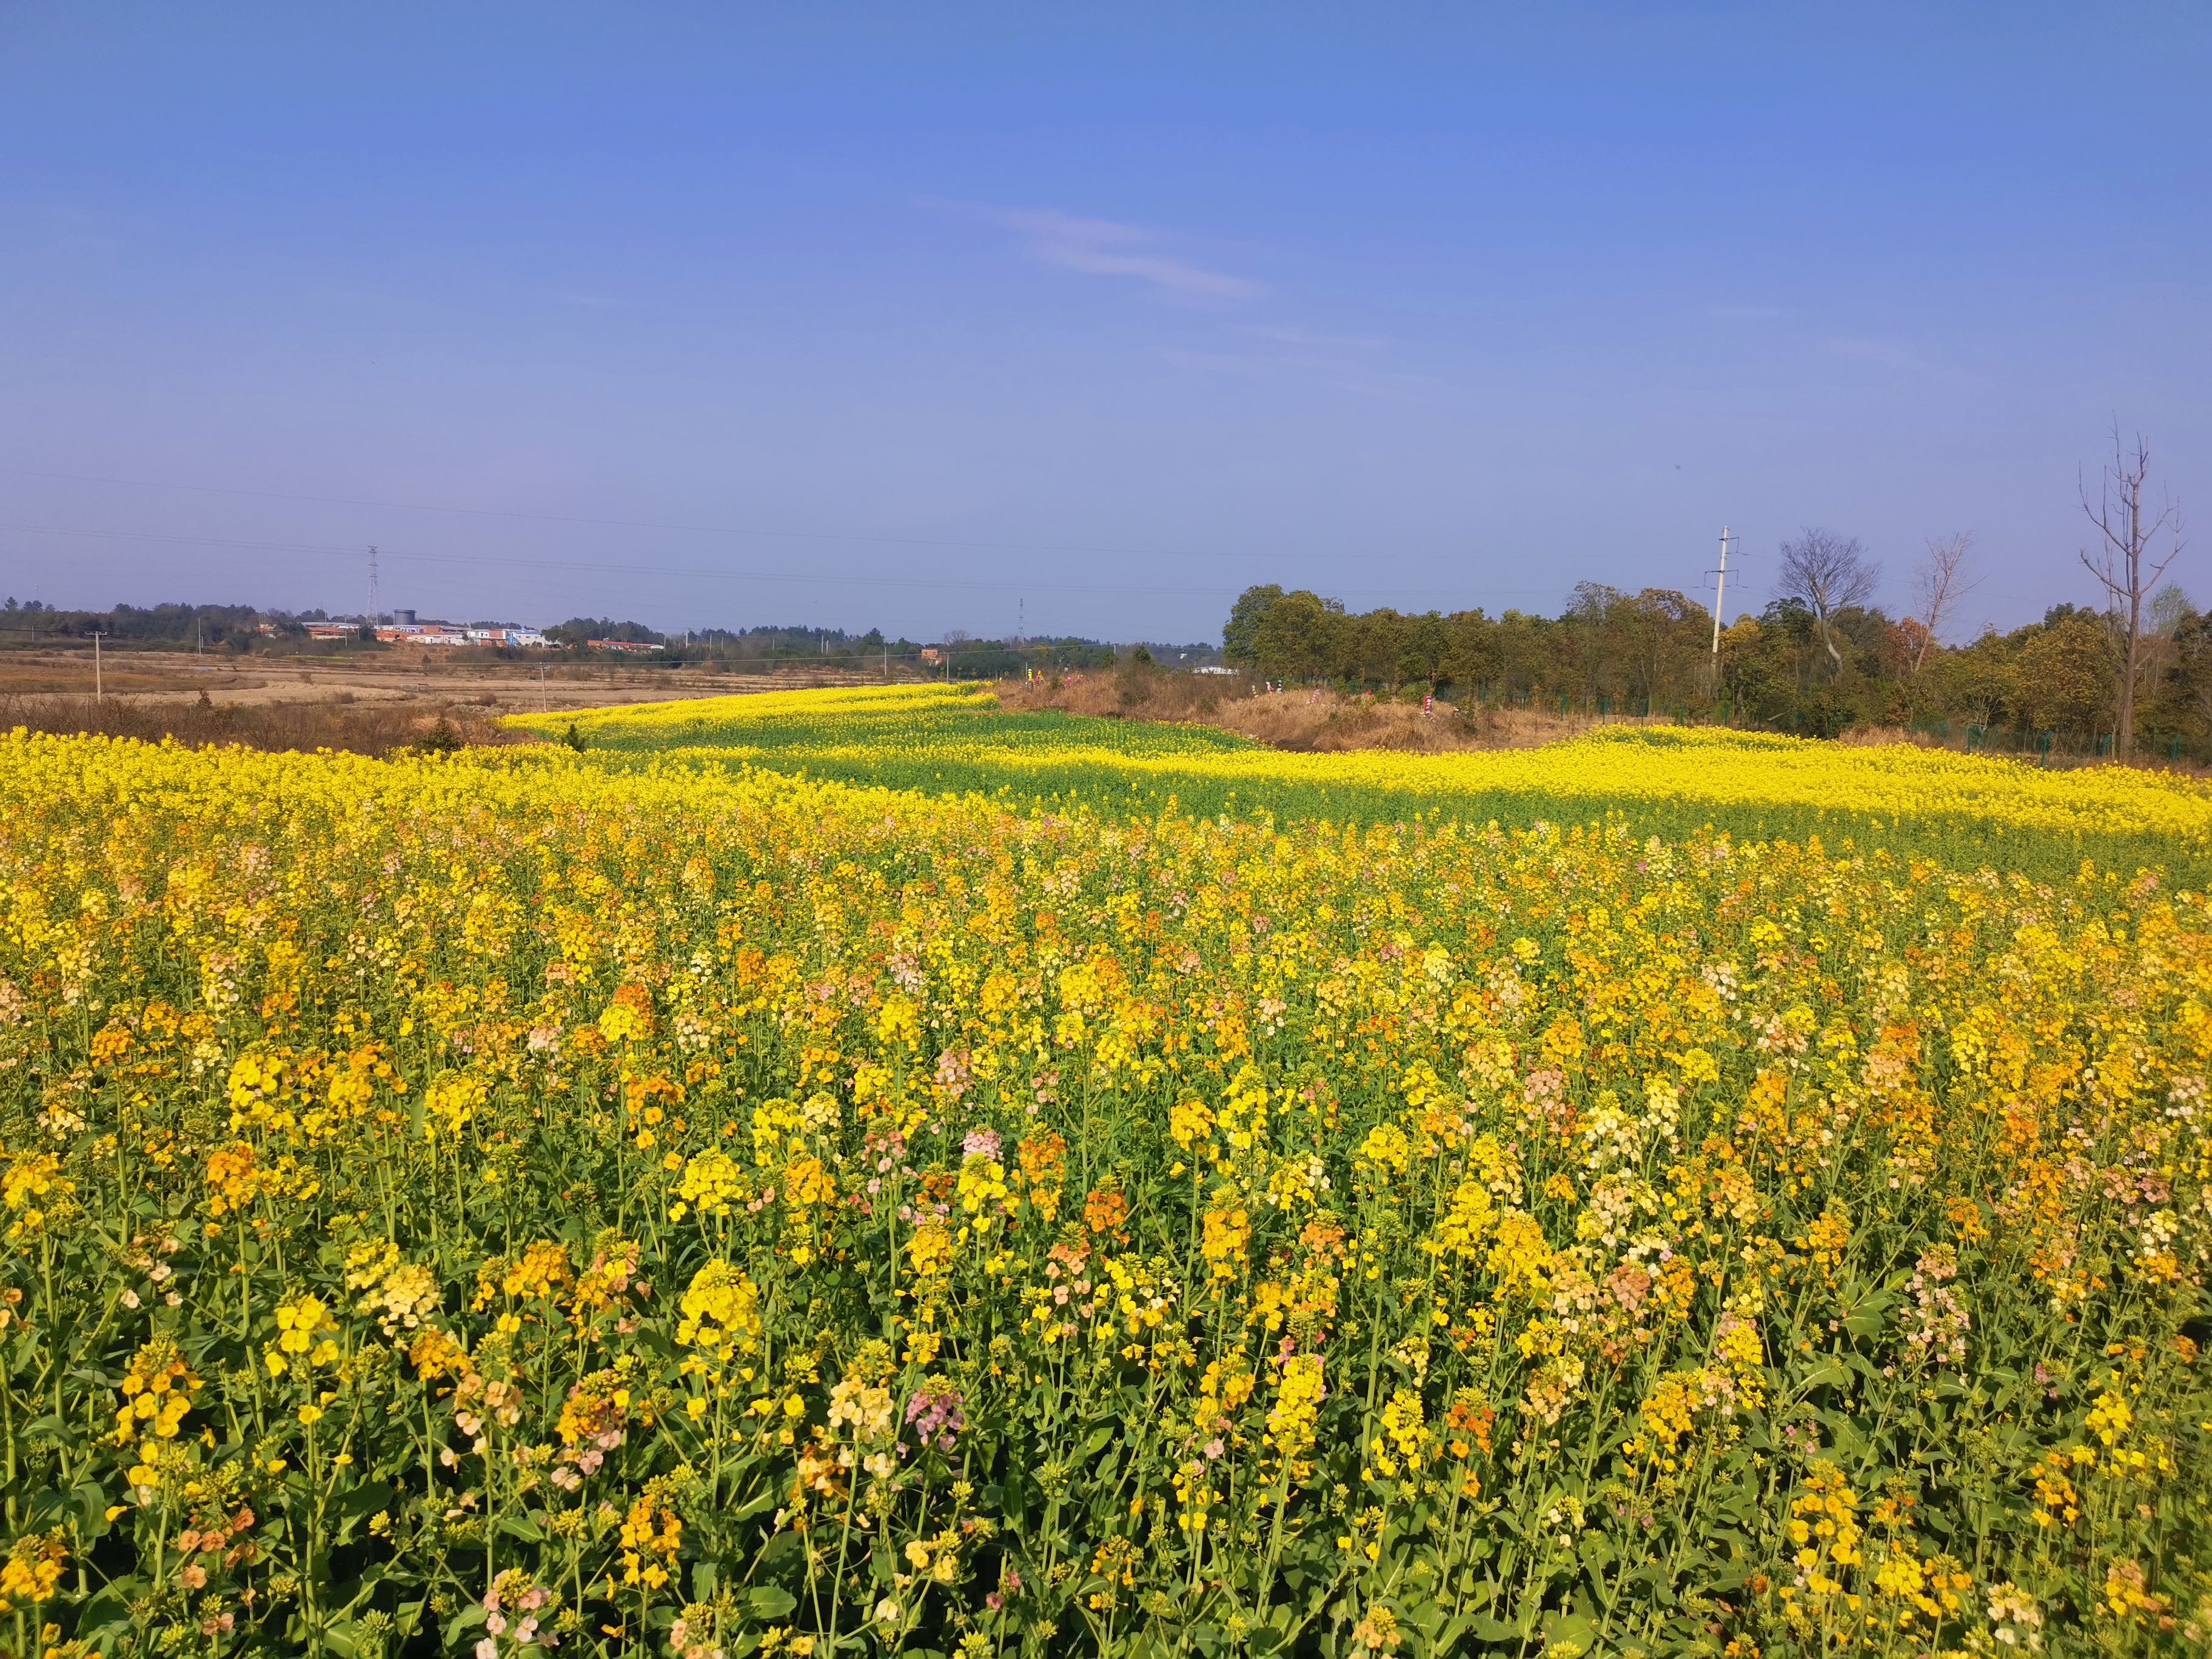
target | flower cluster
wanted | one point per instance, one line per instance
(935, 1415)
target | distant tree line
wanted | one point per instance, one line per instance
(239, 628)
(1817, 659)
(2133, 675)
(577, 629)
(772, 646)
(231, 628)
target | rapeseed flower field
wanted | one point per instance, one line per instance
(644, 1204)
(1673, 781)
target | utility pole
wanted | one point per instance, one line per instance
(98, 686)
(371, 585)
(1720, 596)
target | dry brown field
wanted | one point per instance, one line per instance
(365, 701)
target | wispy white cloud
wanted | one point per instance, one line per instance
(1355, 363)
(1106, 247)
(1808, 334)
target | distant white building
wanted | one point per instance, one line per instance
(506, 636)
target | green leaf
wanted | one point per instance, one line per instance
(366, 1498)
(1829, 1374)
(781, 1545)
(752, 1506)
(467, 1618)
(766, 1601)
(1569, 1627)
(110, 1606)
(92, 1509)
(1869, 1316)
(1447, 1639)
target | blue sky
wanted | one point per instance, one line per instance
(946, 316)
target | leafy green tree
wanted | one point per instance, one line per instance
(577, 629)
(2065, 675)
(1980, 682)
(1758, 676)
(1469, 654)
(1240, 634)
(1298, 635)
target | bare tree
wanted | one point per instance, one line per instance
(1830, 574)
(1938, 585)
(2121, 563)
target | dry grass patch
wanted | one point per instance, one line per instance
(1306, 719)
(337, 722)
